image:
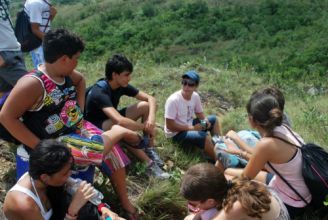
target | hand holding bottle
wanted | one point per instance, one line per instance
(83, 193)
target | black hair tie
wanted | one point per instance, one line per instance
(229, 184)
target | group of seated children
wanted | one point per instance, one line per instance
(49, 103)
(274, 151)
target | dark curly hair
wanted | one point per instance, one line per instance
(118, 64)
(60, 42)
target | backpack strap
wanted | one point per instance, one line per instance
(288, 184)
(293, 135)
(7, 15)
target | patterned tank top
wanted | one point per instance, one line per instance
(58, 113)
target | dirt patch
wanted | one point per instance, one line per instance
(7, 171)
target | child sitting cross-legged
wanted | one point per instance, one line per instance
(211, 196)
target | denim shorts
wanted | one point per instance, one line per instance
(12, 70)
(194, 138)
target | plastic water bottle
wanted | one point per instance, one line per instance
(73, 185)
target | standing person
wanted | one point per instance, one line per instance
(49, 100)
(41, 13)
(12, 66)
(40, 194)
(180, 124)
(212, 197)
(265, 115)
(104, 96)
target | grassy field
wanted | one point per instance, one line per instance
(223, 92)
(236, 46)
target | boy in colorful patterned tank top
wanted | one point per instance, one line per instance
(50, 101)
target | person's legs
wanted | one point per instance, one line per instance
(215, 125)
(37, 56)
(113, 164)
(116, 134)
(12, 68)
(140, 110)
(261, 176)
(118, 180)
(200, 139)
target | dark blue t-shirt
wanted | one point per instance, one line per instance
(100, 96)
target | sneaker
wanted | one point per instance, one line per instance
(217, 139)
(154, 170)
(153, 155)
(227, 160)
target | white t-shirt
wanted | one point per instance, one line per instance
(39, 12)
(180, 110)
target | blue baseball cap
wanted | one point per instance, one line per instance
(193, 75)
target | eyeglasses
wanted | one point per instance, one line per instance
(188, 82)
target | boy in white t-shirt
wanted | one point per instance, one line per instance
(180, 124)
(41, 13)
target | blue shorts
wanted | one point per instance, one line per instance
(194, 138)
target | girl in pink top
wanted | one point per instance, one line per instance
(265, 115)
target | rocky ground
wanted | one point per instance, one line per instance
(7, 170)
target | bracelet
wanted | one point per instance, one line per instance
(102, 205)
(70, 217)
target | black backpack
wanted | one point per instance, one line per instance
(24, 34)
(314, 171)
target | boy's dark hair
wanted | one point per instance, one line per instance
(48, 157)
(60, 42)
(118, 64)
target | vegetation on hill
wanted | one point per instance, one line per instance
(236, 45)
(282, 40)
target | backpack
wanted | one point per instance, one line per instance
(102, 84)
(314, 171)
(24, 34)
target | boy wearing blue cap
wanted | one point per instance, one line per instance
(180, 124)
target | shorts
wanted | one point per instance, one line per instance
(89, 133)
(194, 138)
(99, 122)
(12, 70)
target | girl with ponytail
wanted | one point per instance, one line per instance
(211, 196)
(276, 149)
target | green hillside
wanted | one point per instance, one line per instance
(276, 38)
(237, 46)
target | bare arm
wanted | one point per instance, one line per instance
(35, 27)
(53, 12)
(243, 145)
(20, 100)
(118, 119)
(175, 127)
(258, 159)
(150, 123)
(79, 83)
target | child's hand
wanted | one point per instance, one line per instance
(232, 135)
(108, 214)
(80, 198)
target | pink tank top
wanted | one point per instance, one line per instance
(292, 172)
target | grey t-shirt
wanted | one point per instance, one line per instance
(8, 41)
